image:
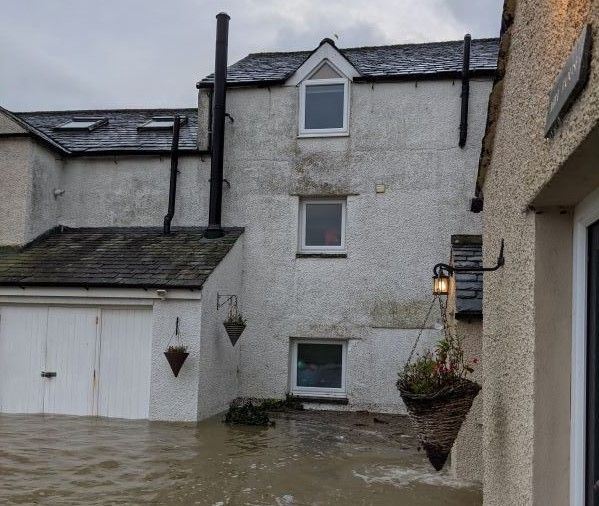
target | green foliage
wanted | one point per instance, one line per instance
(247, 413)
(235, 318)
(177, 349)
(435, 370)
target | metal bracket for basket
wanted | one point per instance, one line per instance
(231, 299)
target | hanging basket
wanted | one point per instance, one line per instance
(176, 358)
(437, 418)
(234, 329)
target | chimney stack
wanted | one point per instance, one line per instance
(214, 229)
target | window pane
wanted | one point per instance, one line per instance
(79, 124)
(324, 106)
(319, 365)
(323, 224)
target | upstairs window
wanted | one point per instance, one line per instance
(322, 226)
(82, 123)
(324, 103)
(161, 123)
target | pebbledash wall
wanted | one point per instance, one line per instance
(401, 134)
(532, 187)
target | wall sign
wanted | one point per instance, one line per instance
(570, 82)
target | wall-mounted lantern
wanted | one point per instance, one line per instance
(443, 272)
(441, 283)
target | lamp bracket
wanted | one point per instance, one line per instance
(450, 269)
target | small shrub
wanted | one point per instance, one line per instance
(246, 412)
(177, 349)
(436, 370)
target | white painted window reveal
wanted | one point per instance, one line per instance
(318, 368)
(322, 226)
(324, 103)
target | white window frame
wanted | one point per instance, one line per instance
(323, 132)
(316, 391)
(585, 214)
(302, 227)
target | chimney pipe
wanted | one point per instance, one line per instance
(214, 229)
(172, 191)
(465, 91)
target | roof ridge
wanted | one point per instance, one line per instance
(72, 111)
(403, 44)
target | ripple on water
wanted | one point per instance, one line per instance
(311, 459)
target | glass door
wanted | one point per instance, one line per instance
(592, 400)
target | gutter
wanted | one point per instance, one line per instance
(445, 74)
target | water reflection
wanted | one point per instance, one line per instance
(306, 459)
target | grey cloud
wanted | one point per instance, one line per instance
(150, 53)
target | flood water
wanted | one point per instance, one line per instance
(307, 458)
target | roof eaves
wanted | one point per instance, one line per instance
(38, 134)
(444, 74)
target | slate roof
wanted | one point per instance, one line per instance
(433, 59)
(116, 257)
(466, 251)
(119, 135)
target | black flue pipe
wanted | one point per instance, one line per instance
(214, 229)
(172, 191)
(465, 91)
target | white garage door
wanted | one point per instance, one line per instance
(75, 360)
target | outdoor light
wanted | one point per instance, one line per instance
(441, 284)
(442, 273)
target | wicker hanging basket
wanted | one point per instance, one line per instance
(234, 329)
(437, 418)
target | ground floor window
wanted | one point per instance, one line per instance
(318, 367)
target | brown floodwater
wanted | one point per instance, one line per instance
(307, 458)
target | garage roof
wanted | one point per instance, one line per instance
(116, 257)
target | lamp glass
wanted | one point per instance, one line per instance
(441, 285)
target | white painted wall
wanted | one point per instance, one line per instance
(401, 134)
(219, 360)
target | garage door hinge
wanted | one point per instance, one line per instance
(97, 320)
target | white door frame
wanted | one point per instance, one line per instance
(585, 214)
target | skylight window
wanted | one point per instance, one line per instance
(82, 123)
(161, 123)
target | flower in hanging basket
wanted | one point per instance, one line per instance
(234, 325)
(176, 356)
(438, 396)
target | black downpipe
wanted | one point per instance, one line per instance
(465, 91)
(214, 229)
(172, 191)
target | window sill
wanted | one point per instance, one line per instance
(309, 399)
(321, 255)
(322, 134)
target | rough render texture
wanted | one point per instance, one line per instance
(175, 398)
(466, 456)
(219, 359)
(401, 134)
(520, 410)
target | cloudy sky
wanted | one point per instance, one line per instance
(78, 54)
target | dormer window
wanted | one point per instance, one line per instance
(82, 123)
(161, 123)
(324, 103)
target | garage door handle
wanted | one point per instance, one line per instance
(48, 374)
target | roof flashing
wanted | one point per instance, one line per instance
(161, 123)
(82, 123)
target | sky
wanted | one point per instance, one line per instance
(86, 54)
